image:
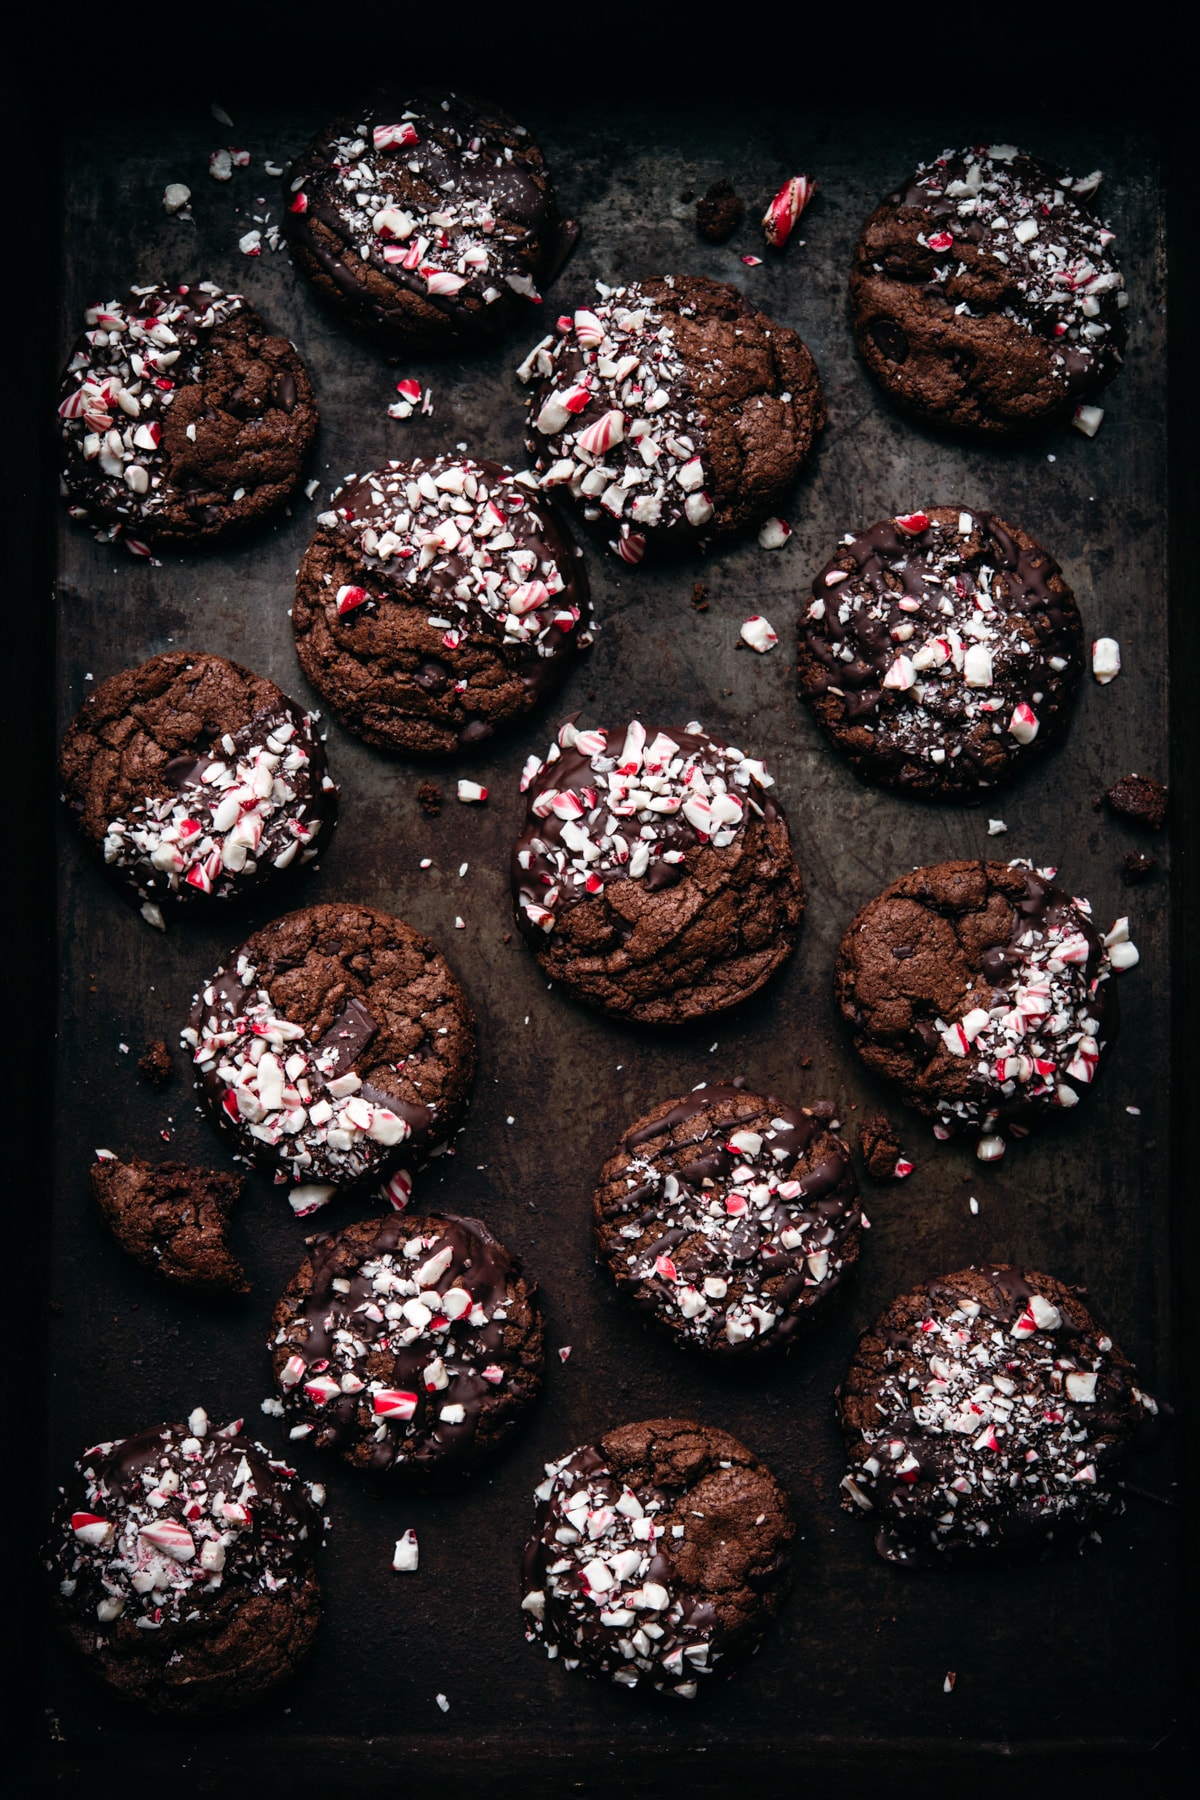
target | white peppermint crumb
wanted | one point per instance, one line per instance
(427, 862)
(272, 1407)
(443, 1703)
(510, 1120)
(1135, 1111)
(220, 115)
(995, 827)
(462, 869)
(310, 487)
(1052, 459)
(124, 1049)
(89, 678)
(459, 924)
(973, 1204)
(948, 1684)
(564, 1352)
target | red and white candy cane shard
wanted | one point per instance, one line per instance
(91, 1529)
(394, 1403)
(172, 1538)
(440, 281)
(528, 595)
(385, 137)
(1024, 724)
(589, 332)
(409, 390)
(780, 217)
(752, 262)
(631, 546)
(350, 597)
(399, 1188)
(941, 240)
(299, 203)
(603, 434)
(912, 524)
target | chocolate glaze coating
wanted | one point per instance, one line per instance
(920, 643)
(451, 186)
(467, 545)
(172, 1218)
(412, 1346)
(196, 781)
(382, 1028)
(656, 912)
(986, 1414)
(184, 419)
(712, 411)
(659, 1558)
(968, 321)
(219, 1565)
(729, 1218)
(979, 941)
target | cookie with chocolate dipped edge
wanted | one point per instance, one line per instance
(181, 1568)
(940, 652)
(425, 219)
(984, 992)
(987, 1414)
(673, 413)
(985, 296)
(172, 1219)
(412, 1346)
(439, 600)
(731, 1219)
(654, 876)
(196, 782)
(335, 1048)
(184, 418)
(660, 1557)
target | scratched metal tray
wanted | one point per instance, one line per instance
(853, 1680)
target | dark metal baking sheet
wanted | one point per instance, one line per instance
(852, 1680)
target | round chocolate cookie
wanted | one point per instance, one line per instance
(437, 600)
(656, 882)
(673, 411)
(983, 991)
(336, 1048)
(984, 294)
(410, 1345)
(183, 418)
(427, 220)
(986, 1413)
(729, 1218)
(196, 781)
(181, 1564)
(660, 1556)
(940, 652)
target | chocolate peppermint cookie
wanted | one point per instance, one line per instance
(410, 1345)
(673, 412)
(183, 418)
(984, 293)
(731, 1219)
(987, 1414)
(438, 600)
(984, 992)
(172, 1218)
(335, 1048)
(656, 880)
(196, 781)
(426, 219)
(181, 1563)
(940, 652)
(660, 1556)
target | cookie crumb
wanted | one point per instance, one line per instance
(429, 799)
(700, 596)
(1140, 798)
(1137, 866)
(880, 1145)
(719, 212)
(155, 1065)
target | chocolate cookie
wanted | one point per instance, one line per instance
(984, 293)
(660, 1555)
(656, 882)
(729, 1218)
(673, 412)
(172, 1219)
(335, 1048)
(410, 1345)
(196, 781)
(983, 991)
(427, 220)
(182, 1568)
(183, 418)
(437, 600)
(984, 1414)
(940, 652)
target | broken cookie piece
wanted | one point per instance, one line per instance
(1139, 798)
(171, 1218)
